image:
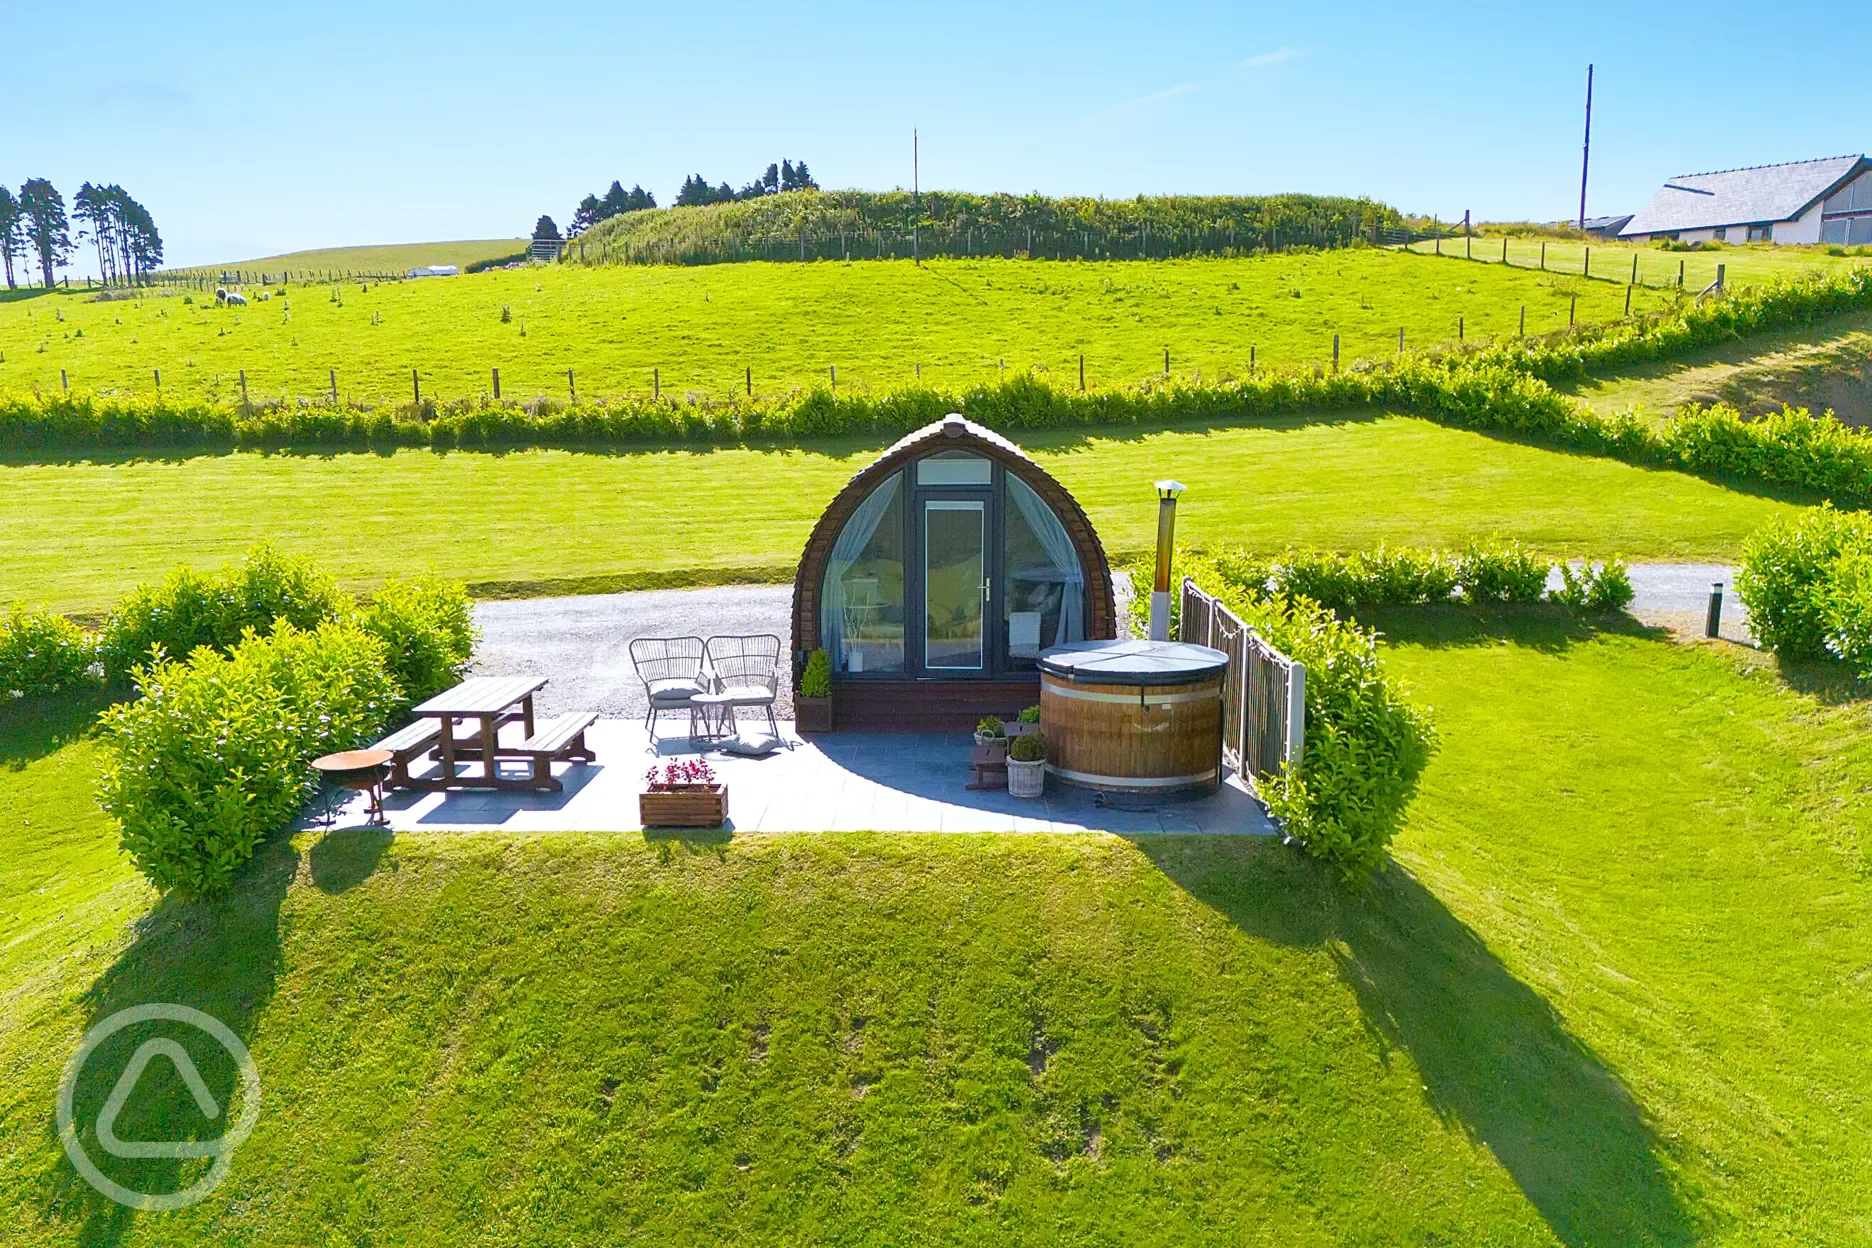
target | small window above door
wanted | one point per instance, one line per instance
(954, 468)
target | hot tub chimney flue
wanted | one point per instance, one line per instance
(1167, 492)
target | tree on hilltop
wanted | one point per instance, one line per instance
(9, 232)
(616, 200)
(545, 230)
(48, 232)
(589, 213)
(795, 177)
(639, 199)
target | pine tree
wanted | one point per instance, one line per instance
(640, 199)
(48, 232)
(616, 200)
(545, 230)
(9, 232)
(588, 214)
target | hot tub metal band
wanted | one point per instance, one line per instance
(1144, 699)
(1132, 782)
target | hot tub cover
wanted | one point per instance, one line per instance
(1132, 662)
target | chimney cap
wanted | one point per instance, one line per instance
(1170, 489)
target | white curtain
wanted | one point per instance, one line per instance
(845, 551)
(1060, 553)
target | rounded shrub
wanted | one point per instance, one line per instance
(42, 652)
(214, 756)
(1784, 574)
(427, 630)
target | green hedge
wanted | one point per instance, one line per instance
(1404, 576)
(1366, 743)
(427, 629)
(41, 653)
(213, 757)
(190, 609)
(216, 753)
(1803, 581)
(1501, 389)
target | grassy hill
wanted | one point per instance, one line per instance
(375, 258)
(881, 324)
(77, 535)
(1611, 993)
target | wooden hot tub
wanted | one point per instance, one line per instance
(1133, 716)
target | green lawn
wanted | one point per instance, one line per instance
(876, 322)
(76, 535)
(1614, 993)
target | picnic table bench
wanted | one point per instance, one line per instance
(491, 702)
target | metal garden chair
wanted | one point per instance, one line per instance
(672, 672)
(746, 671)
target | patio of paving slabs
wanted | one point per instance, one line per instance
(886, 782)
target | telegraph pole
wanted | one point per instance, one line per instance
(916, 198)
(1586, 152)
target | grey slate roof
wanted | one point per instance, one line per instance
(1698, 201)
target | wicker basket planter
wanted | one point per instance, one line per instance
(684, 806)
(1026, 779)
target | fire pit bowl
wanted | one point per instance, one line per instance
(361, 771)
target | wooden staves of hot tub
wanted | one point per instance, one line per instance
(1133, 716)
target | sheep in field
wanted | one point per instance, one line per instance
(236, 300)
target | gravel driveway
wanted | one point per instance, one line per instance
(583, 643)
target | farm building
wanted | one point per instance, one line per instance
(436, 270)
(1808, 201)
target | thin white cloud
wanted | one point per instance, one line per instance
(1145, 101)
(1276, 57)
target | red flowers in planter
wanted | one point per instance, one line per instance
(679, 773)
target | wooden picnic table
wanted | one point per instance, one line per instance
(492, 701)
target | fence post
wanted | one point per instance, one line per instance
(1523, 320)
(1082, 370)
(1400, 340)
(1586, 268)
(656, 383)
(1166, 362)
(750, 381)
(571, 386)
(415, 386)
(244, 403)
(1335, 353)
(1634, 268)
(1680, 267)
(1296, 716)
(1459, 329)
(833, 370)
(1719, 275)
(497, 384)
(158, 378)
(66, 385)
(1543, 255)
(1504, 249)
(1572, 311)
(334, 386)
(1628, 290)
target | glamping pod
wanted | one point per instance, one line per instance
(937, 576)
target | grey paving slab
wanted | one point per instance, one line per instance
(847, 782)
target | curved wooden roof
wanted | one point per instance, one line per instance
(952, 433)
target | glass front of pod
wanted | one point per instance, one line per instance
(952, 568)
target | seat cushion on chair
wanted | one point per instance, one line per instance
(674, 690)
(748, 695)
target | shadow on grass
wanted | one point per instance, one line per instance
(1494, 1057)
(1536, 626)
(220, 955)
(31, 728)
(1833, 683)
(344, 858)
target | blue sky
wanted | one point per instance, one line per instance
(250, 128)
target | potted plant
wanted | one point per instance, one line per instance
(682, 793)
(812, 709)
(1026, 765)
(1026, 724)
(989, 730)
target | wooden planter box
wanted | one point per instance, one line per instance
(812, 714)
(687, 806)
